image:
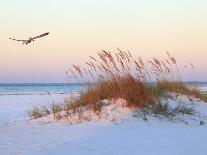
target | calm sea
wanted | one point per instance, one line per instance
(38, 88)
(53, 88)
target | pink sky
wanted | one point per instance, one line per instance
(79, 29)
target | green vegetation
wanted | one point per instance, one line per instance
(178, 87)
(163, 110)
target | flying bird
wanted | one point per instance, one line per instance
(30, 38)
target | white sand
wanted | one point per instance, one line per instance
(128, 135)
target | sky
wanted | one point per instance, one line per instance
(80, 28)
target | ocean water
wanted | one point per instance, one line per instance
(38, 88)
(52, 88)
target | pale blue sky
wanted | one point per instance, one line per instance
(79, 28)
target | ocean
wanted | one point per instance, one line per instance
(52, 88)
(39, 88)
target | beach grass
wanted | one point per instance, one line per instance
(178, 87)
(120, 75)
(38, 112)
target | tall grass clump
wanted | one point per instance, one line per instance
(120, 75)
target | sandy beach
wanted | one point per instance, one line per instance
(22, 136)
(103, 77)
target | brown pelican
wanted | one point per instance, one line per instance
(30, 38)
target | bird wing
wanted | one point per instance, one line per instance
(42, 35)
(16, 39)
